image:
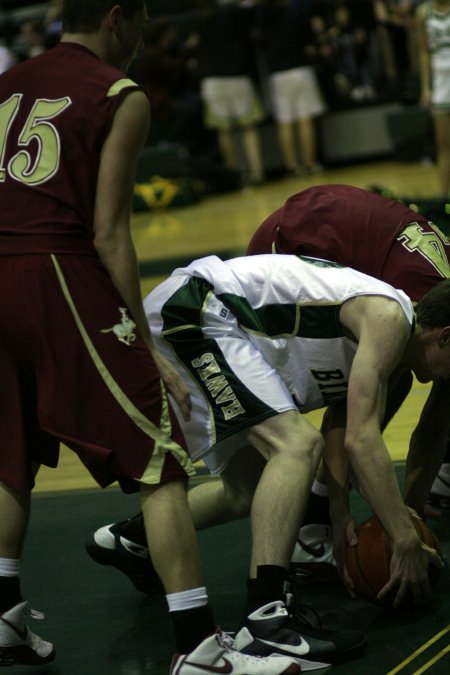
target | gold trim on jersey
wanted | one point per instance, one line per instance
(163, 442)
(120, 85)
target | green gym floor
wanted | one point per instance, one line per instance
(102, 626)
(99, 623)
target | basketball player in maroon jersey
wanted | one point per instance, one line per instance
(358, 229)
(389, 241)
(77, 364)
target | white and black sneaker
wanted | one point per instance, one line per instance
(275, 629)
(216, 654)
(18, 645)
(122, 545)
(313, 553)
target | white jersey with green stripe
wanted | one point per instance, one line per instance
(289, 306)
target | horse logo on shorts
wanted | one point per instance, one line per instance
(124, 331)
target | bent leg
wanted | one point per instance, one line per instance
(293, 448)
(171, 536)
(220, 501)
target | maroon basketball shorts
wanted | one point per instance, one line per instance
(74, 370)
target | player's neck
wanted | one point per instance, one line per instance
(414, 357)
(92, 41)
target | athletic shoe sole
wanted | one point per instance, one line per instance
(23, 655)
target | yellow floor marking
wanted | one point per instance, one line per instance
(421, 649)
(432, 661)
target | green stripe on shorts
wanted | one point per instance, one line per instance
(233, 405)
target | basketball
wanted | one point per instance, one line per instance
(368, 562)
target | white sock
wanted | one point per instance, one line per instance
(319, 489)
(195, 597)
(9, 567)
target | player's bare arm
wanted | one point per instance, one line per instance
(428, 446)
(382, 331)
(113, 202)
(337, 472)
(113, 239)
(339, 480)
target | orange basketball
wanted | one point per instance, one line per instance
(368, 562)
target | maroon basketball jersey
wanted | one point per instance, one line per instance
(359, 229)
(51, 134)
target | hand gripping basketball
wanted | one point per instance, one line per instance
(368, 563)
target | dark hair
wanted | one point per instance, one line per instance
(85, 16)
(433, 311)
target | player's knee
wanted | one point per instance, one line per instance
(305, 444)
(311, 447)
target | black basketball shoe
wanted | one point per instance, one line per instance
(123, 545)
(296, 632)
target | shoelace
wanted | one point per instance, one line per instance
(35, 614)
(227, 643)
(302, 614)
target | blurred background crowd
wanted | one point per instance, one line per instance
(210, 66)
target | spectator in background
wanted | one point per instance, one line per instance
(353, 54)
(163, 70)
(31, 40)
(53, 23)
(395, 20)
(433, 32)
(294, 88)
(227, 72)
(7, 58)
(344, 52)
(321, 50)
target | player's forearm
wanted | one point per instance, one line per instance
(428, 446)
(119, 257)
(374, 470)
(423, 463)
(337, 471)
